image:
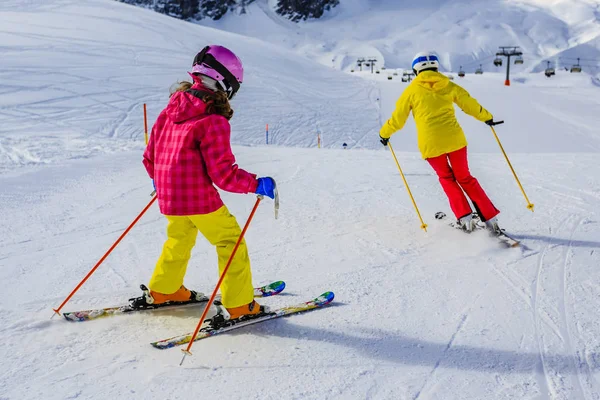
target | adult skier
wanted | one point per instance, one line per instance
(441, 140)
(189, 152)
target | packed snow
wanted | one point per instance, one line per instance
(435, 315)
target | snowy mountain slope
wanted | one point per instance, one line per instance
(76, 73)
(464, 32)
(436, 315)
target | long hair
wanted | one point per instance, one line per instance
(216, 103)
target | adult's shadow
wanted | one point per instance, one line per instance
(394, 348)
(559, 241)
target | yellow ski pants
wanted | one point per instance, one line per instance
(221, 229)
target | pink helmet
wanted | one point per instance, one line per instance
(222, 65)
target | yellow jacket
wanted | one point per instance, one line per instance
(430, 96)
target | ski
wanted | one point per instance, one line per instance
(271, 289)
(208, 330)
(503, 237)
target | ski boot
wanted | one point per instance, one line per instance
(230, 316)
(493, 227)
(151, 299)
(467, 223)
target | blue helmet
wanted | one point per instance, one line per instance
(425, 60)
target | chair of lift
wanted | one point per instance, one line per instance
(519, 60)
(461, 73)
(498, 62)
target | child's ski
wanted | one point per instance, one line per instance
(271, 289)
(208, 330)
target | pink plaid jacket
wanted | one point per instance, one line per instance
(188, 152)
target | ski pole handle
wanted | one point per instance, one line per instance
(494, 123)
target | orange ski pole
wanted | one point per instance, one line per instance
(57, 310)
(186, 351)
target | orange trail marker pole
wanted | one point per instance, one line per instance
(145, 124)
(57, 310)
(186, 351)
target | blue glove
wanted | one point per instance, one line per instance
(266, 187)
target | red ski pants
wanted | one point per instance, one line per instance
(453, 171)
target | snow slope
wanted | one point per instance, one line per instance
(76, 73)
(464, 32)
(436, 315)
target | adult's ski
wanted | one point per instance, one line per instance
(271, 289)
(208, 329)
(504, 238)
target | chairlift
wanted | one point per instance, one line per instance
(395, 74)
(390, 78)
(498, 62)
(576, 68)
(367, 65)
(351, 70)
(450, 76)
(405, 78)
(519, 60)
(461, 73)
(549, 71)
(377, 72)
(479, 70)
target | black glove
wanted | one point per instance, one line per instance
(491, 122)
(384, 141)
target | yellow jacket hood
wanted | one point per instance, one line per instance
(431, 80)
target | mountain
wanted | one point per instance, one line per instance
(465, 33)
(294, 10)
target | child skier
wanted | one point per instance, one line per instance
(440, 138)
(189, 151)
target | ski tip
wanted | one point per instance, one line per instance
(272, 289)
(325, 298)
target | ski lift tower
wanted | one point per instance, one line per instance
(508, 52)
(372, 60)
(360, 62)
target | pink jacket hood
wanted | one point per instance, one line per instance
(184, 106)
